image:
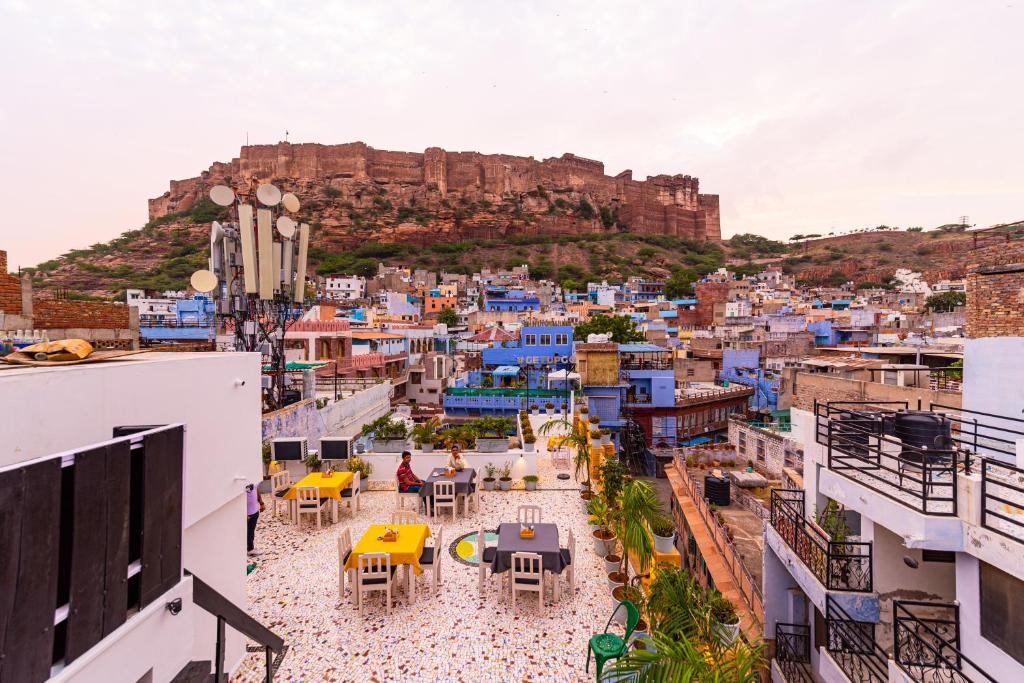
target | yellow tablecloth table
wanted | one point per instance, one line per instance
(406, 550)
(330, 487)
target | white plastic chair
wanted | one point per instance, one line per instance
(431, 558)
(529, 514)
(374, 574)
(280, 482)
(443, 497)
(569, 560)
(351, 494)
(527, 574)
(485, 556)
(344, 550)
(309, 502)
(406, 517)
(470, 499)
(401, 497)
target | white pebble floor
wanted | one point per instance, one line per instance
(456, 635)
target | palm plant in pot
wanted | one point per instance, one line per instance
(639, 507)
(575, 437)
(604, 537)
(463, 436)
(489, 471)
(726, 621)
(505, 480)
(423, 434)
(682, 644)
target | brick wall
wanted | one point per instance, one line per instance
(995, 292)
(10, 293)
(825, 388)
(50, 313)
(3, 262)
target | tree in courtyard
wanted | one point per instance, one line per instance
(621, 329)
(681, 283)
(448, 316)
(946, 301)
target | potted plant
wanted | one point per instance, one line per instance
(463, 436)
(726, 623)
(565, 408)
(312, 462)
(604, 537)
(529, 441)
(492, 433)
(612, 561)
(550, 408)
(631, 593)
(364, 468)
(638, 508)
(593, 419)
(389, 435)
(489, 471)
(530, 481)
(606, 436)
(664, 532)
(505, 480)
(584, 409)
(586, 495)
(534, 408)
(576, 437)
(423, 434)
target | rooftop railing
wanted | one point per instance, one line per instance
(647, 364)
(852, 645)
(838, 565)
(881, 445)
(927, 643)
(1002, 499)
(793, 651)
(523, 393)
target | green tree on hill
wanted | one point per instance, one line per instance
(945, 302)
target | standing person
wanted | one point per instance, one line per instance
(408, 482)
(253, 507)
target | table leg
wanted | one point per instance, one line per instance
(334, 509)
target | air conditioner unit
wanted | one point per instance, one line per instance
(266, 381)
(336, 447)
(289, 448)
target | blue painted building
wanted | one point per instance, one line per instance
(649, 375)
(194, 320)
(537, 346)
(505, 299)
(824, 334)
(743, 366)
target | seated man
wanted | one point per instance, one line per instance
(456, 460)
(407, 481)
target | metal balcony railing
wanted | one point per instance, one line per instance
(927, 643)
(877, 444)
(647, 364)
(852, 645)
(793, 651)
(838, 565)
(1002, 499)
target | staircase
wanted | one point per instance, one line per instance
(228, 614)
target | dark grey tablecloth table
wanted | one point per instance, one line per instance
(544, 543)
(462, 480)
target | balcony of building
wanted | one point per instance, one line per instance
(792, 661)
(501, 401)
(936, 474)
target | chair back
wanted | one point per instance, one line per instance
(374, 566)
(571, 545)
(527, 568)
(444, 491)
(355, 483)
(481, 544)
(405, 517)
(344, 545)
(632, 617)
(279, 481)
(529, 514)
(307, 496)
(438, 548)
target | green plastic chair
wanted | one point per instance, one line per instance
(606, 645)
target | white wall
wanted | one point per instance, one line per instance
(996, 663)
(58, 409)
(386, 464)
(989, 363)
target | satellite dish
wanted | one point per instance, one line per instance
(216, 232)
(222, 195)
(203, 281)
(268, 195)
(285, 226)
(291, 202)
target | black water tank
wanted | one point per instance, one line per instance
(921, 432)
(852, 432)
(716, 490)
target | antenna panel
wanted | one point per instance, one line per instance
(248, 247)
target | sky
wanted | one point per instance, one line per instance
(803, 116)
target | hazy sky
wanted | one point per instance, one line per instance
(803, 116)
